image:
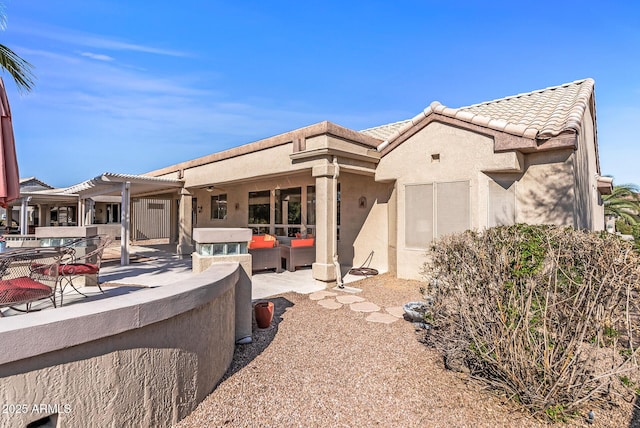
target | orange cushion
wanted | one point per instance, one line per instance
(23, 289)
(308, 242)
(261, 244)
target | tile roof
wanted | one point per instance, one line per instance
(383, 132)
(539, 114)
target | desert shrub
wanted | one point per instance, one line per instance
(545, 315)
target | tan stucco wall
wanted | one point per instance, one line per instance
(154, 356)
(589, 207)
(464, 155)
(270, 161)
(546, 183)
(364, 229)
(545, 192)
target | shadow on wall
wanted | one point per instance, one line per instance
(262, 338)
(551, 203)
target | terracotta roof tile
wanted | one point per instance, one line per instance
(540, 114)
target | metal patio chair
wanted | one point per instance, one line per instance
(28, 275)
(78, 265)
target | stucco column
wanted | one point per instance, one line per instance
(323, 269)
(89, 211)
(185, 227)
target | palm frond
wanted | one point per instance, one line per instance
(18, 68)
(623, 203)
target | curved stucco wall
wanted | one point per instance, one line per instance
(142, 359)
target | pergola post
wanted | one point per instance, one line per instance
(125, 223)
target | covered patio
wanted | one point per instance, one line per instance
(157, 265)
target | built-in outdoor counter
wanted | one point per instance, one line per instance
(218, 245)
(56, 236)
(146, 358)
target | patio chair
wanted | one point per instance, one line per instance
(77, 265)
(265, 253)
(300, 252)
(28, 276)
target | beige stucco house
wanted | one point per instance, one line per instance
(382, 195)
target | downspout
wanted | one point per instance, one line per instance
(336, 264)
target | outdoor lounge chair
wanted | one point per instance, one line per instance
(265, 253)
(28, 276)
(301, 252)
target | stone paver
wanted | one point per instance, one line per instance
(329, 304)
(319, 295)
(381, 318)
(396, 311)
(365, 307)
(348, 299)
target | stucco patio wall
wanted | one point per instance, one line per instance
(142, 359)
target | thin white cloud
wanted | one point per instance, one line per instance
(97, 41)
(99, 57)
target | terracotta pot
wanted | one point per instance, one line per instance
(264, 314)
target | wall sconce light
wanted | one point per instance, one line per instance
(199, 209)
(237, 206)
(362, 202)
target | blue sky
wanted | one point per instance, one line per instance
(132, 86)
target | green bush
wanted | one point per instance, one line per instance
(623, 227)
(542, 314)
(636, 236)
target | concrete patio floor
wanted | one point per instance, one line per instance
(158, 265)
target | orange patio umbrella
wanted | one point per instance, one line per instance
(9, 175)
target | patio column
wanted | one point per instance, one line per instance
(326, 222)
(185, 224)
(90, 209)
(24, 216)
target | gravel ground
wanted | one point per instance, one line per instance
(321, 367)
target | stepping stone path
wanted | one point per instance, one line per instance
(381, 318)
(365, 307)
(329, 304)
(319, 295)
(331, 300)
(348, 299)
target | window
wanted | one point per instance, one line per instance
(259, 211)
(219, 207)
(288, 211)
(63, 216)
(418, 215)
(435, 210)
